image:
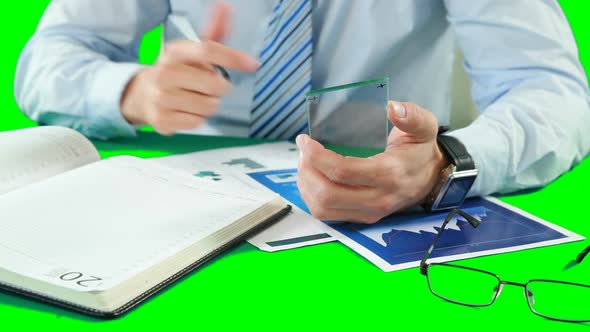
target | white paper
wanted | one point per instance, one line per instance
(33, 154)
(111, 220)
(229, 166)
(400, 241)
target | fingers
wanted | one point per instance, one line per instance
(354, 216)
(364, 190)
(168, 122)
(338, 168)
(188, 102)
(195, 79)
(329, 201)
(331, 195)
(207, 53)
(218, 25)
(413, 119)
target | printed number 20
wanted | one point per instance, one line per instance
(79, 278)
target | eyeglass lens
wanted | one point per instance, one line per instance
(462, 285)
(472, 287)
(559, 300)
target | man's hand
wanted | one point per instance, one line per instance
(182, 90)
(364, 190)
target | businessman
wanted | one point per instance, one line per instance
(80, 70)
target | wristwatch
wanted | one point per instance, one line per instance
(455, 180)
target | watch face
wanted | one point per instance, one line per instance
(456, 192)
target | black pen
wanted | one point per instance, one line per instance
(182, 24)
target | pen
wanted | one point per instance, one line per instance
(182, 24)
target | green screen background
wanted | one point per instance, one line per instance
(286, 276)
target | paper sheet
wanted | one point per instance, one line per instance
(110, 235)
(400, 241)
(33, 154)
(230, 166)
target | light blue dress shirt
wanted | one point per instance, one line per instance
(521, 57)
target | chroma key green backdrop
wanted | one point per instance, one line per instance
(565, 201)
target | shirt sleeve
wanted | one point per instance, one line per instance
(75, 68)
(531, 90)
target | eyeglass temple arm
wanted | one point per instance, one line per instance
(474, 222)
(583, 254)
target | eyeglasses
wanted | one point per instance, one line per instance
(553, 299)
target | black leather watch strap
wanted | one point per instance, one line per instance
(455, 151)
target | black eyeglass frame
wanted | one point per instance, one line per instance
(424, 267)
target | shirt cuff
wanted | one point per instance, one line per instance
(103, 108)
(489, 149)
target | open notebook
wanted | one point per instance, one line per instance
(101, 236)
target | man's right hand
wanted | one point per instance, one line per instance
(183, 89)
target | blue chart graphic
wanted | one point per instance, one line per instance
(405, 237)
(283, 182)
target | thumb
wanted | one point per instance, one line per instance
(413, 119)
(218, 26)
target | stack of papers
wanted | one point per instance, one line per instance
(396, 242)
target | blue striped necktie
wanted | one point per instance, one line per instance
(284, 77)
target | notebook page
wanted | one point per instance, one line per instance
(33, 154)
(109, 220)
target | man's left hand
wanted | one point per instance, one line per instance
(364, 190)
